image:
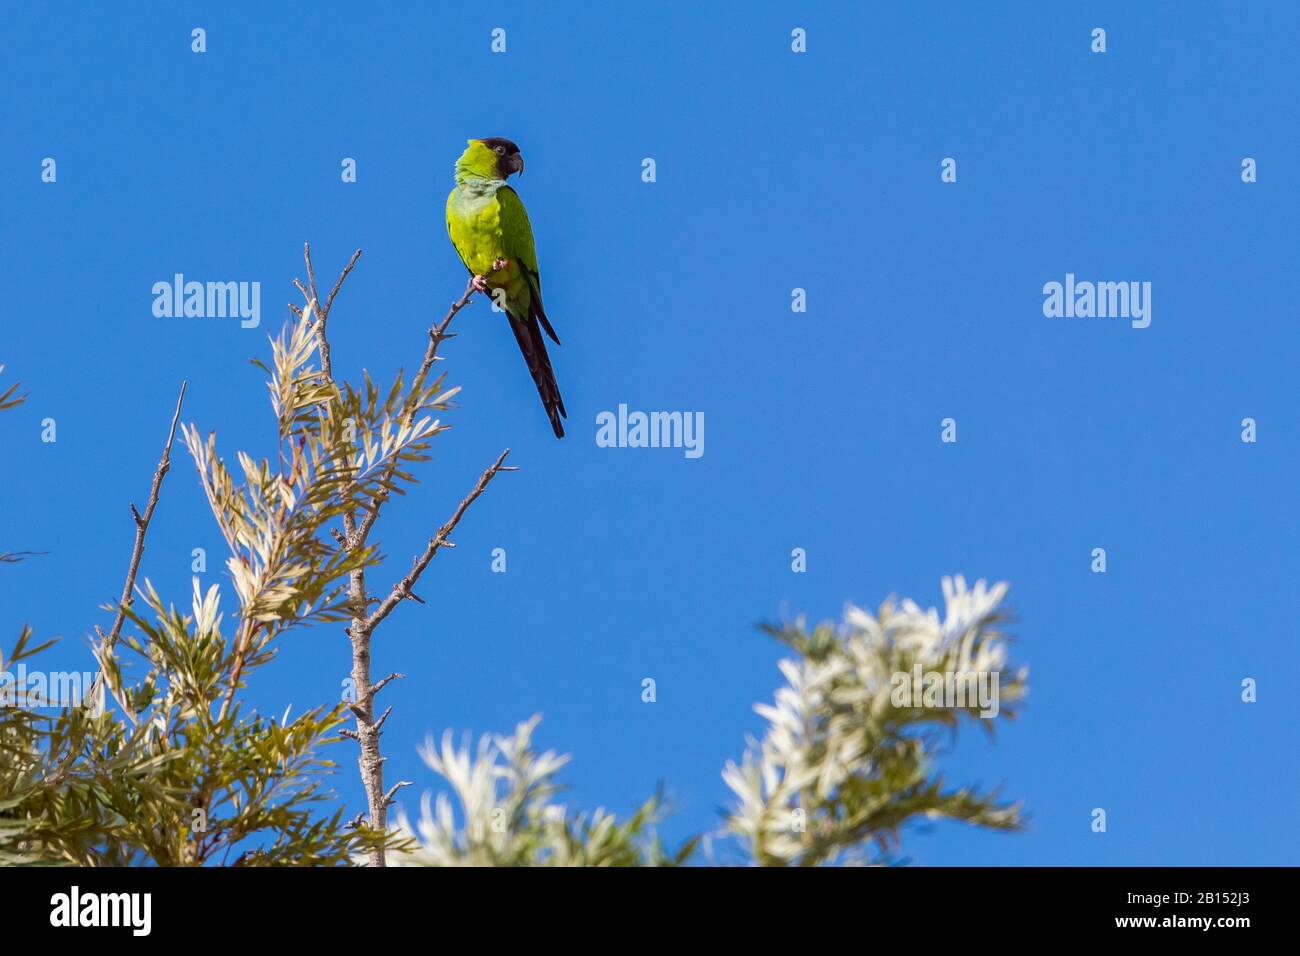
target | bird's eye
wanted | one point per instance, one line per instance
(500, 150)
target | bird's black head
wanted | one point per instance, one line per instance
(508, 159)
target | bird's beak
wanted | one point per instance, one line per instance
(517, 164)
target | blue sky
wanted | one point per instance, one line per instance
(774, 171)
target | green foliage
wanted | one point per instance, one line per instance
(57, 773)
(845, 762)
(337, 450)
(9, 398)
(175, 773)
(163, 781)
(508, 815)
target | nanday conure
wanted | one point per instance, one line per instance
(489, 227)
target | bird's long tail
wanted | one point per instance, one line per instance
(529, 336)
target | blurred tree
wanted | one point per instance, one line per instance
(847, 760)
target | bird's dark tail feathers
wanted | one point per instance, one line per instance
(528, 334)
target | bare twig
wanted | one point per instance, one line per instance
(329, 299)
(437, 335)
(137, 550)
(391, 795)
(380, 685)
(323, 308)
(13, 557)
(402, 589)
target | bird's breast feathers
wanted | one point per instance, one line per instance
(474, 224)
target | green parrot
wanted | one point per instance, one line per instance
(489, 227)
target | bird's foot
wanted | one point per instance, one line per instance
(499, 264)
(480, 284)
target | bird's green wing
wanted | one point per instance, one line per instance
(517, 240)
(517, 237)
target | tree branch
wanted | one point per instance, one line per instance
(247, 632)
(137, 550)
(391, 795)
(437, 335)
(380, 685)
(323, 309)
(357, 526)
(402, 589)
